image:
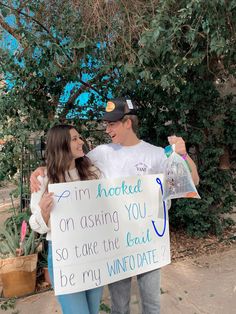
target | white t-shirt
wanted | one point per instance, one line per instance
(115, 160)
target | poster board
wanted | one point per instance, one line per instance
(107, 230)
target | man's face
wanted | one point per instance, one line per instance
(117, 131)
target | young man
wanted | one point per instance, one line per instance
(127, 155)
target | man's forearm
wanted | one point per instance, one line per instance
(194, 171)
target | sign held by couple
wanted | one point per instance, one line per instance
(107, 230)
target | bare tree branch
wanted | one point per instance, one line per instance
(9, 29)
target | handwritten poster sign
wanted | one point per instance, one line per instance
(107, 230)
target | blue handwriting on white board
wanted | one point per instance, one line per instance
(123, 189)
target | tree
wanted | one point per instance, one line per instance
(171, 56)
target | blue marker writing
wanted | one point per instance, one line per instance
(65, 194)
(160, 234)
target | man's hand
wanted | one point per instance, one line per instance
(34, 182)
(180, 147)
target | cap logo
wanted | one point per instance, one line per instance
(110, 106)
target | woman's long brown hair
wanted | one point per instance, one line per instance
(59, 156)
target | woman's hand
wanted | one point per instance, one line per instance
(46, 205)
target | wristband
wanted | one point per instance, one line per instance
(184, 156)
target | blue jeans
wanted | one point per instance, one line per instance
(84, 302)
(149, 288)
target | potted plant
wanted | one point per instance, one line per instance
(18, 261)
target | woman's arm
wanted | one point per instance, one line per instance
(41, 204)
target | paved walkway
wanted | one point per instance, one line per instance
(204, 285)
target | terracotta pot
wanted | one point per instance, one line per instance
(18, 275)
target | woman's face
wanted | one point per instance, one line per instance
(76, 144)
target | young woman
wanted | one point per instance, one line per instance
(65, 161)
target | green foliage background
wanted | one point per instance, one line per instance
(176, 58)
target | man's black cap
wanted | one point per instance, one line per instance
(117, 108)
